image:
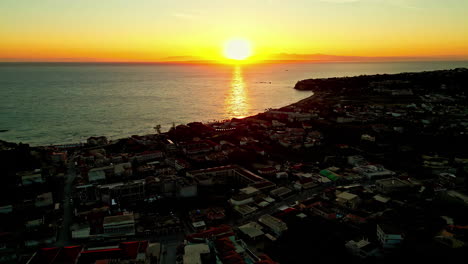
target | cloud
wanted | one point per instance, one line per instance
(184, 16)
(340, 1)
(412, 4)
(192, 15)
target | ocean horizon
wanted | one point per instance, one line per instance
(57, 103)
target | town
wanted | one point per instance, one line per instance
(369, 169)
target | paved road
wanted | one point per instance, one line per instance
(64, 237)
(170, 247)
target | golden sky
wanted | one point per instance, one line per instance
(165, 30)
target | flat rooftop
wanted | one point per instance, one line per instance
(119, 219)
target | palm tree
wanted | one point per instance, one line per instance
(158, 128)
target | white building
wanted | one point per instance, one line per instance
(275, 224)
(389, 236)
(347, 199)
(119, 225)
(252, 230)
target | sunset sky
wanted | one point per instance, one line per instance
(157, 30)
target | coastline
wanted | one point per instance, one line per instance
(329, 89)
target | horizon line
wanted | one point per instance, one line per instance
(341, 59)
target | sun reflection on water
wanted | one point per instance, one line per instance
(237, 103)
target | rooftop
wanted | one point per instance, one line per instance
(193, 252)
(346, 196)
(119, 219)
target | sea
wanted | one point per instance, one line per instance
(59, 103)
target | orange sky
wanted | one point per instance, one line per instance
(157, 30)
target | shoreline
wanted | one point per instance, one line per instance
(321, 88)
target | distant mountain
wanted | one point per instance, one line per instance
(338, 58)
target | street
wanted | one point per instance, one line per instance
(64, 238)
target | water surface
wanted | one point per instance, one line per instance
(62, 103)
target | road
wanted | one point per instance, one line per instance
(64, 238)
(170, 249)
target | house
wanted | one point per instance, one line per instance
(252, 230)
(280, 192)
(119, 225)
(323, 210)
(148, 155)
(59, 157)
(304, 183)
(200, 146)
(373, 172)
(43, 200)
(29, 178)
(123, 169)
(233, 173)
(348, 200)
(98, 174)
(123, 192)
(391, 185)
(273, 223)
(330, 174)
(244, 209)
(194, 253)
(181, 164)
(362, 248)
(81, 232)
(186, 188)
(389, 236)
(356, 161)
(449, 180)
(85, 193)
(241, 199)
(96, 141)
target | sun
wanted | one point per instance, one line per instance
(237, 49)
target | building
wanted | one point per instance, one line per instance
(373, 172)
(29, 178)
(125, 252)
(44, 200)
(122, 192)
(119, 225)
(195, 253)
(280, 192)
(273, 223)
(362, 248)
(85, 193)
(244, 209)
(148, 155)
(356, 161)
(324, 210)
(229, 174)
(99, 174)
(330, 175)
(449, 180)
(348, 200)
(186, 188)
(123, 169)
(389, 236)
(392, 185)
(252, 230)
